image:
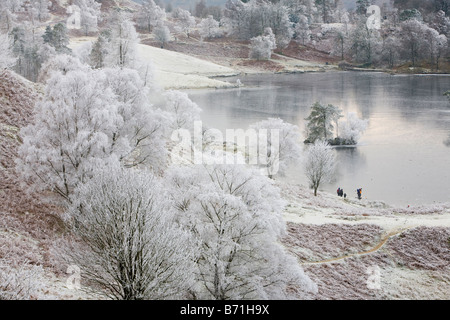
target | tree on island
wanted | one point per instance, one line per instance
(324, 120)
(351, 129)
(447, 94)
(320, 122)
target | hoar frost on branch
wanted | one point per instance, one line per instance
(182, 111)
(39, 9)
(209, 28)
(117, 46)
(352, 128)
(131, 246)
(283, 145)
(23, 282)
(90, 15)
(184, 21)
(236, 215)
(7, 59)
(319, 164)
(261, 47)
(150, 15)
(162, 33)
(8, 17)
(123, 43)
(250, 19)
(86, 120)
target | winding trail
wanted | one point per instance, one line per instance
(383, 241)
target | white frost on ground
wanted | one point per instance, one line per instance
(175, 70)
(327, 208)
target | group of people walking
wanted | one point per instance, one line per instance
(340, 193)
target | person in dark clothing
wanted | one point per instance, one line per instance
(341, 193)
(358, 191)
(338, 191)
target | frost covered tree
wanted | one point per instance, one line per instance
(261, 47)
(150, 15)
(352, 128)
(236, 215)
(340, 42)
(236, 18)
(281, 148)
(39, 9)
(298, 8)
(130, 245)
(117, 46)
(412, 38)
(435, 46)
(123, 43)
(319, 164)
(12, 5)
(99, 50)
(390, 52)
(90, 14)
(251, 19)
(281, 25)
(161, 33)
(83, 52)
(8, 17)
(365, 44)
(209, 28)
(182, 110)
(60, 63)
(321, 120)
(86, 120)
(57, 37)
(361, 6)
(325, 10)
(7, 59)
(184, 21)
(302, 30)
(410, 14)
(30, 50)
(441, 23)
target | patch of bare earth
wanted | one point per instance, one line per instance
(311, 243)
(261, 65)
(422, 248)
(302, 52)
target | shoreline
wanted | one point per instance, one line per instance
(303, 207)
(180, 71)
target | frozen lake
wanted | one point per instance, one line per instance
(402, 158)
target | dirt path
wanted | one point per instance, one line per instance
(382, 242)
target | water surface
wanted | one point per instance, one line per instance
(402, 158)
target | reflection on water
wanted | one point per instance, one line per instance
(401, 158)
(447, 142)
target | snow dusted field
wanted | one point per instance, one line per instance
(175, 70)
